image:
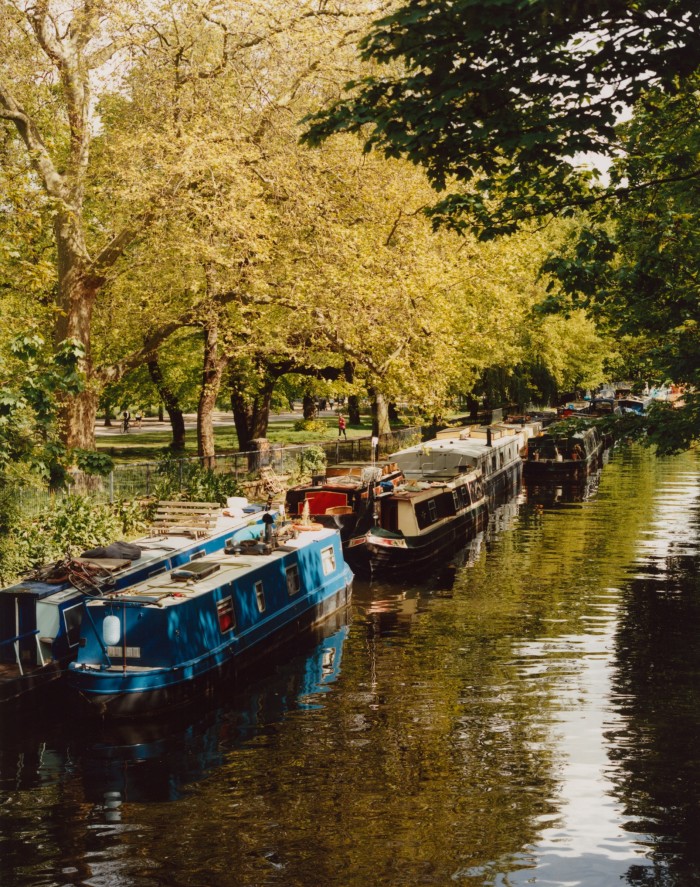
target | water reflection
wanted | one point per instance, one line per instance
(655, 748)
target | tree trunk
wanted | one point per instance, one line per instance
(76, 300)
(175, 414)
(354, 416)
(251, 416)
(309, 407)
(380, 414)
(211, 383)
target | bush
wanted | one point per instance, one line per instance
(315, 425)
(181, 479)
(73, 524)
(313, 460)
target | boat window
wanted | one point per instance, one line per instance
(464, 493)
(328, 560)
(293, 583)
(195, 555)
(432, 510)
(227, 618)
(260, 596)
(456, 494)
(477, 490)
(72, 617)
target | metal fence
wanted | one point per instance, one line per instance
(139, 480)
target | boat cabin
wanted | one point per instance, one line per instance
(417, 506)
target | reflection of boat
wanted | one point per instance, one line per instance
(540, 491)
(426, 519)
(40, 617)
(155, 760)
(561, 452)
(171, 637)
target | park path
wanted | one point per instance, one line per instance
(221, 419)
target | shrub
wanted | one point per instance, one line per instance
(315, 425)
(181, 479)
(313, 460)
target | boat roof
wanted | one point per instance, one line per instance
(153, 548)
(470, 446)
(163, 590)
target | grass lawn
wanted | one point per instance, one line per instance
(147, 445)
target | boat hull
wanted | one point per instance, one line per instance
(180, 635)
(127, 696)
(40, 621)
(391, 555)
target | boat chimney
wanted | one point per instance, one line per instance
(488, 436)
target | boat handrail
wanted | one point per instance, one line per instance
(20, 637)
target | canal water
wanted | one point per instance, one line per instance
(529, 714)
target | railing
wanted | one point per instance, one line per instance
(137, 480)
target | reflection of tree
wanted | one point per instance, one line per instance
(656, 749)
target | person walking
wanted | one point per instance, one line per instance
(126, 417)
(341, 427)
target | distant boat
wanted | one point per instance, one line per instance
(40, 617)
(168, 639)
(637, 404)
(562, 453)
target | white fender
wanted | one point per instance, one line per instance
(111, 631)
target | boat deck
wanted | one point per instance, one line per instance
(162, 590)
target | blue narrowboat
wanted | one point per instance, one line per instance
(167, 640)
(41, 616)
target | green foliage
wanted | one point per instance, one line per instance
(313, 460)
(498, 96)
(72, 525)
(188, 480)
(315, 425)
(93, 462)
(32, 380)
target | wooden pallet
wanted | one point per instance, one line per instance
(185, 518)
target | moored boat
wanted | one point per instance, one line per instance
(348, 498)
(424, 520)
(40, 616)
(168, 639)
(561, 452)
(492, 450)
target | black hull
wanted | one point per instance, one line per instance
(27, 691)
(504, 483)
(568, 469)
(422, 552)
(230, 672)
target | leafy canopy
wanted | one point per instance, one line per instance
(498, 99)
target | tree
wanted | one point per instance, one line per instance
(503, 102)
(32, 378)
(59, 60)
(498, 99)
(633, 262)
